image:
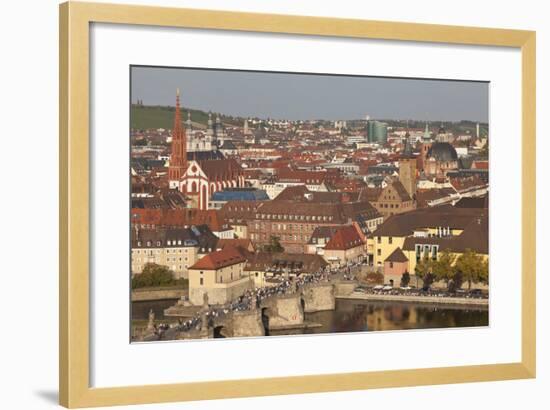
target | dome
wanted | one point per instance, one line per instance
(442, 151)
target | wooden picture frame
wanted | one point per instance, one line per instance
(75, 19)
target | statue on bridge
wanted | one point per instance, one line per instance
(151, 323)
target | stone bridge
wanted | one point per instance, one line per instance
(274, 313)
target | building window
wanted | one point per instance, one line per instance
(379, 252)
(391, 264)
(379, 239)
(201, 281)
(390, 240)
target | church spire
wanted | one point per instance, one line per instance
(210, 129)
(178, 156)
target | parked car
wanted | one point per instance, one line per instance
(476, 293)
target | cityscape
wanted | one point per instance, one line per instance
(252, 215)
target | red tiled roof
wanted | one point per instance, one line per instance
(480, 165)
(179, 217)
(237, 243)
(345, 238)
(220, 259)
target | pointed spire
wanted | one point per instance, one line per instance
(178, 156)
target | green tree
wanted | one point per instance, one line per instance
(442, 268)
(473, 267)
(153, 275)
(274, 245)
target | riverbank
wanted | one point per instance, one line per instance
(449, 301)
(151, 294)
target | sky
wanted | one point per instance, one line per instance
(311, 96)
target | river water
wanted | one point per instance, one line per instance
(360, 316)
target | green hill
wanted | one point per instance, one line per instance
(151, 117)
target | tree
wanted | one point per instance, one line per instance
(443, 267)
(274, 245)
(455, 282)
(423, 270)
(405, 279)
(473, 267)
(153, 275)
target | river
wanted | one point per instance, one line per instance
(360, 315)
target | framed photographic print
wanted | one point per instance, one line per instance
(348, 202)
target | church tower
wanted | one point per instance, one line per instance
(178, 155)
(407, 169)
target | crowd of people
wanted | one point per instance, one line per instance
(252, 298)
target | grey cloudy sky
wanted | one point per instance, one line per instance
(311, 96)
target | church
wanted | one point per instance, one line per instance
(197, 168)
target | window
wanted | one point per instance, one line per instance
(390, 240)
(379, 252)
(435, 248)
(379, 239)
(391, 264)
(201, 281)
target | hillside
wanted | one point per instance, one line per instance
(152, 117)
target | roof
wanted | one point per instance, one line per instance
(237, 243)
(220, 259)
(179, 218)
(401, 191)
(425, 196)
(302, 262)
(240, 194)
(404, 224)
(442, 151)
(471, 202)
(220, 168)
(475, 237)
(322, 232)
(397, 256)
(195, 236)
(345, 238)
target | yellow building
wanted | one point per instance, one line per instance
(427, 232)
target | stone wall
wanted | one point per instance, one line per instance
(344, 288)
(157, 294)
(246, 323)
(220, 294)
(319, 297)
(285, 311)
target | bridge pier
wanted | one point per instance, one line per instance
(284, 311)
(319, 297)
